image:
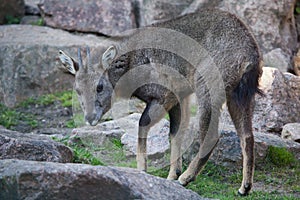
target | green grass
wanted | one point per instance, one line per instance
(39, 22)
(117, 142)
(82, 154)
(272, 180)
(219, 182)
(65, 99)
(280, 156)
(70, 124)
(10, 117)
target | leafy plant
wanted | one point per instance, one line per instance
(70, 124)
(117, 143)
(12, 20)
(39, 22)
(10, 117)
(7, 117)
(297, 8)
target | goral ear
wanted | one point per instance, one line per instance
(69, 65)
(108, 56)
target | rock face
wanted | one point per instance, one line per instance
(104, 17)
(28, 64)
(291, 131)
(11, 8)
(45, 180)
(15, 145)
(272, 23)
(31, 7)
(156, 10)
(281, 104)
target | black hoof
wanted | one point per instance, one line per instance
(247, 190)
(178, 172)
(242, 195)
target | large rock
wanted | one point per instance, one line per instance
(281, 105)
(28, 64)
(272, 22)
(44, 180)
(291, 132)
(15, 145)
(12, 9)
(228, 151)
(104, 17)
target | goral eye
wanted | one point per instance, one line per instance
(99, 88)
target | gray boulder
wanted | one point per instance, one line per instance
(45, 180)
(28, 60)
(104, 17)
(15, 145)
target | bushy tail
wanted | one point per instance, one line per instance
(248, 86)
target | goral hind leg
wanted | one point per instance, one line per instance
(242, 119)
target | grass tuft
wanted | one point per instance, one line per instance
(281, 157)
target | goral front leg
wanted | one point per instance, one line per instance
(151, 115)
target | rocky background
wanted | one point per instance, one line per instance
(33, 31)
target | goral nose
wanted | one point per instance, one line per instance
(90, 119)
